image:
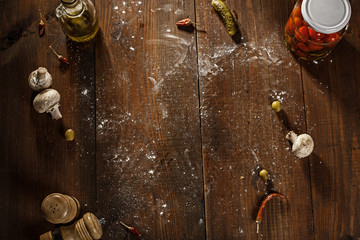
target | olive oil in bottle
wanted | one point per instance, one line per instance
(78, 19)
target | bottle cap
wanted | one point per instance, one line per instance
(326, 16)
(58, 208)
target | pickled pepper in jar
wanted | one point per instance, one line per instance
(316, 26)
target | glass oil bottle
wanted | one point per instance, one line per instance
(78, 19)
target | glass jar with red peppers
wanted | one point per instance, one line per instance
(316, 26)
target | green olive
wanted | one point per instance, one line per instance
(264, 174)
(276, 106)
(69, 135)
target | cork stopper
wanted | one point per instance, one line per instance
(60, 209)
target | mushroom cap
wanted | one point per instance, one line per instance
(40, 79)
(303, 146)
(46, 100)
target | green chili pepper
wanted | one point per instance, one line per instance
(225, 15)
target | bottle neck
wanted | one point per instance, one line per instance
(73, 7)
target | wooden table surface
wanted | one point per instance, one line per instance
(172, 126)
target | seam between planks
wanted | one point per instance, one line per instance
(200, 122)
(95, 124)
(308, 158)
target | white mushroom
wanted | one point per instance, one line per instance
(40, 79)
(48, 101)
(303, 144)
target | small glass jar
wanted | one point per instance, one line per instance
(316, 26)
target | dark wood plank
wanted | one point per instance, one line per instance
(147, 117)
(148, 167)
(240, 132)
(332, 97)
(36, 160)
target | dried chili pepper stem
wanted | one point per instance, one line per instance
(262, 207)
(61, 58)
(58, 55)
(125, 225)
(131, 229)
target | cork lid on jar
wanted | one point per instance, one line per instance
(59, 208)
(326, 16)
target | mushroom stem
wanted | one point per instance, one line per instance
(41, 76)
(55, 112)
(41, 73)
(292, 136)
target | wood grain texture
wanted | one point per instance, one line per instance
(331, 92)
(36, 160)
(147, 116)
(173, 126)
(241, 134)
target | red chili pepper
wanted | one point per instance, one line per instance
(302, 35)
(298, 22)
(185, 23)
(262, 207)
(303, 47)
(64, 60)
(331, 37)
(297, 12)
(61, 58)
(304, 32)
(289, 27)
(300, 54)
(134, 231)
(131, 229)
(41, 28)
(314, 34)
(316, 47)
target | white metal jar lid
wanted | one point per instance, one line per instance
(326, 16)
